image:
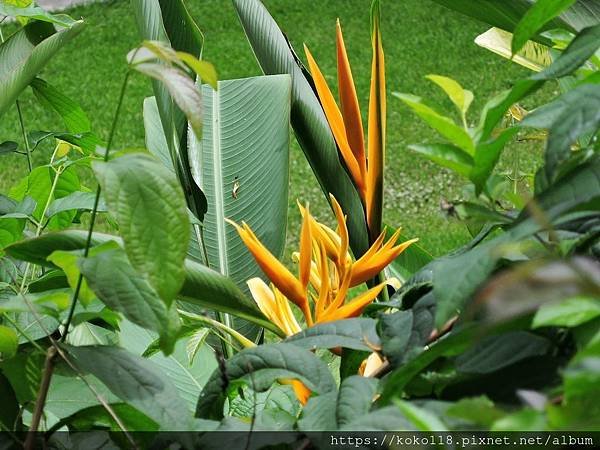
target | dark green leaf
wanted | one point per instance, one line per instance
(8, 147)
(259, 368)
(568, 313)
(487, 156)
(358, 334)
(540, 13)
(77, 200)
(136, 381)
(74, 117)
(122, 289)
(495, 352)
(148, 203)
(355, 398)
(575, 55)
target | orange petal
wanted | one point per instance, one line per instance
(356, 305)
(349, 102)
(323, 299)
(301, 391)
(336, 122)
(281, 277)
(377, 130)
(367, 269)
(305, 250)
(343, 230)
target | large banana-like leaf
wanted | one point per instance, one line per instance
(506, 14)
(275, 56)
(242, 166)
(168, 21)
(26, 52)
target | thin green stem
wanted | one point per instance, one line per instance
(25, 139)
(88, 242)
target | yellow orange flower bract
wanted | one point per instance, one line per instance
(326, 273)
(365, 168)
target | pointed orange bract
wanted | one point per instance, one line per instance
(349, 102)
(377, 128)
(326, 273)
(366, 168)
(336, 122)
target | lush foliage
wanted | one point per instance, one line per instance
(168, 323)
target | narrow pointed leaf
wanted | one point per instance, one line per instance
(26, 52)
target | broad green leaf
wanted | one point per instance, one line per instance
(8, 342)
(540, 13)
(205, 70)
(188, 377)
(67, 261)
(94, 417)
(169, 22)
(461, 97)
(421, 418)
(122, 289)
(355, 398)
(496, 352)
(533, 55)
(312, 131)
(209, 289)
(319, 414)
(457, 135)
(74, 117)
(29, 10)
(242, 166)
(260, 367)
(148, 203)
(36, 185)
(357, 333)
(575, 55)
(202, 286)
(136, 381)
(26, 52)
(446, 155)
(568, 313)
(75, 201)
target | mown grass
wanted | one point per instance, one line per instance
(420, 38)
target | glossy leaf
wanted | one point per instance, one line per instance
(357, 334)
(260, 367)
(575, 55)
(136, 381)
(147, 201)
(242, 166)
(72, 114)
(8, 341)
(312, 131)
(539, 14)
(122, 289)
(446, 155)
(26, 52)
(75, 201)
(355, 398)
(35, 13)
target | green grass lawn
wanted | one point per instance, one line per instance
(420, 38)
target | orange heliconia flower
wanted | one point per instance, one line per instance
(365, 168)
(325, 275)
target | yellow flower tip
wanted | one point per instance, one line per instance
(394, 282)
(231, 222)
